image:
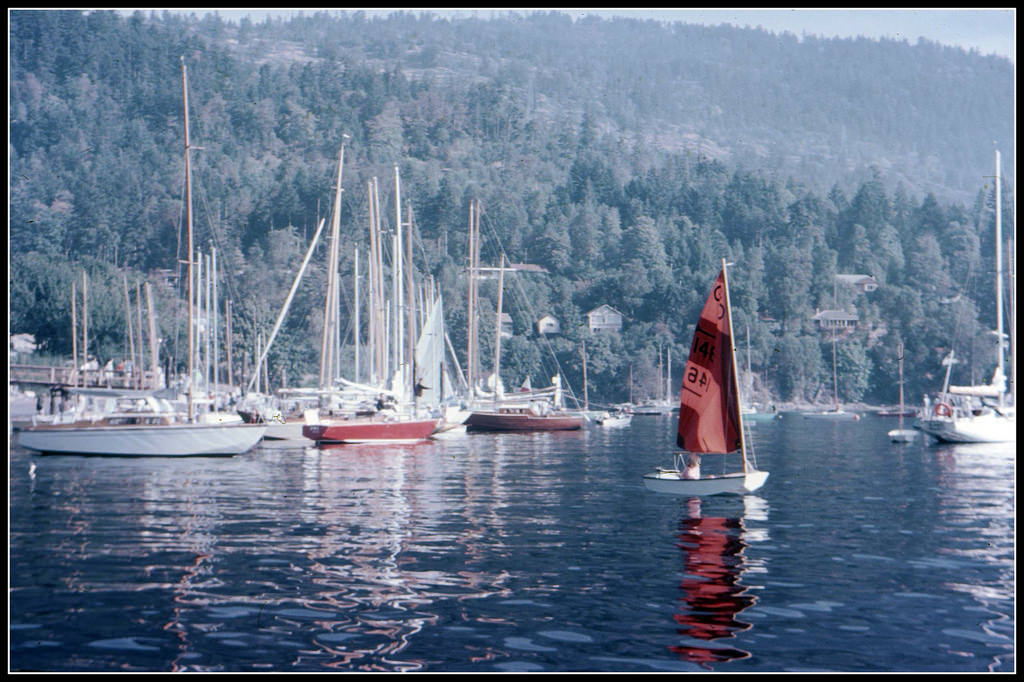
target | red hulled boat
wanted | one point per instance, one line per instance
(522, 419)
(376, 429)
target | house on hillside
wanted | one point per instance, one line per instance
(835, 320)
(862, 283)
(604, 318)
(548, 326)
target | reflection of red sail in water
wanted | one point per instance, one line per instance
(712, 594)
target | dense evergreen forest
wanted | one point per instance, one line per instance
(625, 157)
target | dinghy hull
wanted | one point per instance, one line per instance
(672, 482)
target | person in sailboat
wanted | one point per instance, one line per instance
(692, 470)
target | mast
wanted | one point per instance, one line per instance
(410, 313)
(497, 336)
(668, 375)
(188, 212)
(382, 335)
(999, 276)
(899, 353)
(586, 398)
(228, 340)
(288, 300)
(835, 373)
(355, 268)
(142, 356)
(735, 372)
(471, 315)
(330, 307)
(85, 329)
(74, 335)
(129, 323)
(213, 313)
(153, 350)
(396, 283)
(371, 280)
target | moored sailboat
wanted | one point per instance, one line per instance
(979, 414)
(710, 421)
(530, 410)
(142, 425)
(392, 417)
(900, 434)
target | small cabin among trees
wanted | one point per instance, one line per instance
(548, 326)
(862, 283)
(835, 319)
(604, 319)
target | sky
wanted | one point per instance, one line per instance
(990, 31)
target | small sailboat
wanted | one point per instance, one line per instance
(710, 421)
(900, 434)
(837, 412)
(616, 419)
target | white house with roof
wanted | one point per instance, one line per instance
(835, 319)
(549, 325)
(862, 283)
(604, 318)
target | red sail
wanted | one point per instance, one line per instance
(709, 412)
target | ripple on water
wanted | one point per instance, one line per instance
(566, 636)
(123, 644)
(525, 644)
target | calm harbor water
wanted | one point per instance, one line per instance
(536, 552)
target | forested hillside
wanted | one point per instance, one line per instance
(627, 158)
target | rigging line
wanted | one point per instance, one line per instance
(531, 314)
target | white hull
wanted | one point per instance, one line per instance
(902, 435)
(832, 414)
(284, 431)
(672, 482)
(615, 422)
(986, 428)
(449, 431)
(171, 440)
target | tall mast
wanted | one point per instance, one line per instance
(74, 335)
(497, 333)
(355, 269)
(999, 275)
(287, 302)
(382, 336)
(188, 213)
(85, 327)
(371, 280)
(471, 296)
(330, 307)
(139, 336)
(410, 313)
(899, 353)
(153, 349)
(213, 313)
(735, 371)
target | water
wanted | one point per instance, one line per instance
(499, 553)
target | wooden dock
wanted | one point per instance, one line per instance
(46, 375)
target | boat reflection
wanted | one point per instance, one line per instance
(712, 594)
